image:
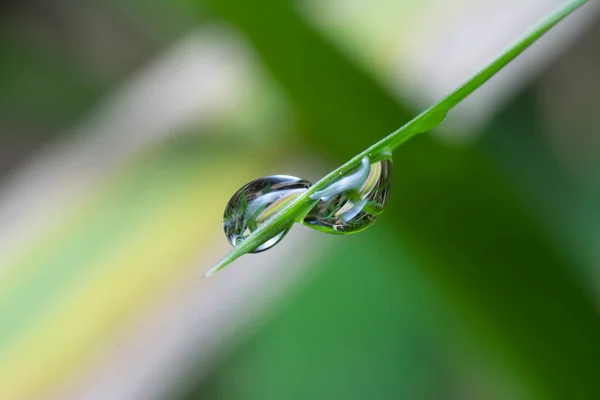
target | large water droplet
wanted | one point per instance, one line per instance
(355, 201)
(255, 202)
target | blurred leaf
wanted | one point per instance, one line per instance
(39, 81)
(356, 332)
(518, 142)
(105, 257)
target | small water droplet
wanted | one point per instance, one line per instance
(434, 118)
(255, 202)
(355, 201)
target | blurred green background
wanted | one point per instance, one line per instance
(125, 127)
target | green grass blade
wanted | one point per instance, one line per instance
(433, 116)
(424, 122)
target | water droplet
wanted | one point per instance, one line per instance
(355, 201)
(431, 120)
(255, 202)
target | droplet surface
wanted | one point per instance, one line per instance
(257, 201)
(355, 201)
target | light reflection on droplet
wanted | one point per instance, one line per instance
(354, 202)
(257, 201)
(348, 205)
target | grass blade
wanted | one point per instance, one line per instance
(424, 122)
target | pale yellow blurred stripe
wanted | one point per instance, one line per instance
(59, 232)
(154, 254)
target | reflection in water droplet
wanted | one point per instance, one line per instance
(348, 205)
(354, 202)
(257, 201)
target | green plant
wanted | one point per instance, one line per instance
(424, 122)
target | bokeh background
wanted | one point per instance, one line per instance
(125, 126)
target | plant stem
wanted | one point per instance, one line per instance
(424, 122)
